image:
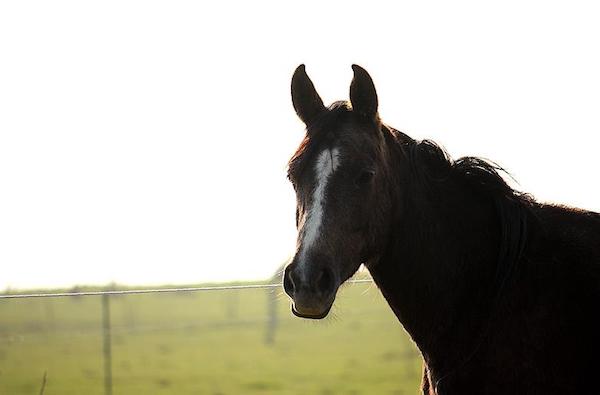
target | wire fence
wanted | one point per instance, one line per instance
(151, 290)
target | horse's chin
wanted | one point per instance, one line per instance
(312, 314)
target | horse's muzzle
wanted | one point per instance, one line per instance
(312, 290)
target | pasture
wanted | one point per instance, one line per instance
(206, 343)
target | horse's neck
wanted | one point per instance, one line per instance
(437, 268)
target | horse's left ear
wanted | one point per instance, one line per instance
(362, 93)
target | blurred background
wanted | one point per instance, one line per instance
(145, 144)
(217, 342)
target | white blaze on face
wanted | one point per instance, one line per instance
(327, 162)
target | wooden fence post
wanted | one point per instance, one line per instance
(108, 387)
(272, 296)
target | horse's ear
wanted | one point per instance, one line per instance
(362, 93)
(306, 100)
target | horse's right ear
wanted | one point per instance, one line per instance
(306, 100)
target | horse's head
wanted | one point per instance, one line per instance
(339, 173)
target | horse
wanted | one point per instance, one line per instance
(499, 292)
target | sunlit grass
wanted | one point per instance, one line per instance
(206, 343)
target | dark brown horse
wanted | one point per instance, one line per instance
(500, 293)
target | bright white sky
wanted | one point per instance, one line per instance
(145, 142)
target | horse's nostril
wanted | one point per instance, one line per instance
(288, 283)
(325, 281)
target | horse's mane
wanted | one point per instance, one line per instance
(432, 164)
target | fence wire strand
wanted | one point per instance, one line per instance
(151, 290)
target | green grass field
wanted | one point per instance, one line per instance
(206, 343)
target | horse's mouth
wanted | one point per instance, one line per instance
(310, 314)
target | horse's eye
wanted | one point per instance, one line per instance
(365, 177)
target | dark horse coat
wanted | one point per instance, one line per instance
(500, 293)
